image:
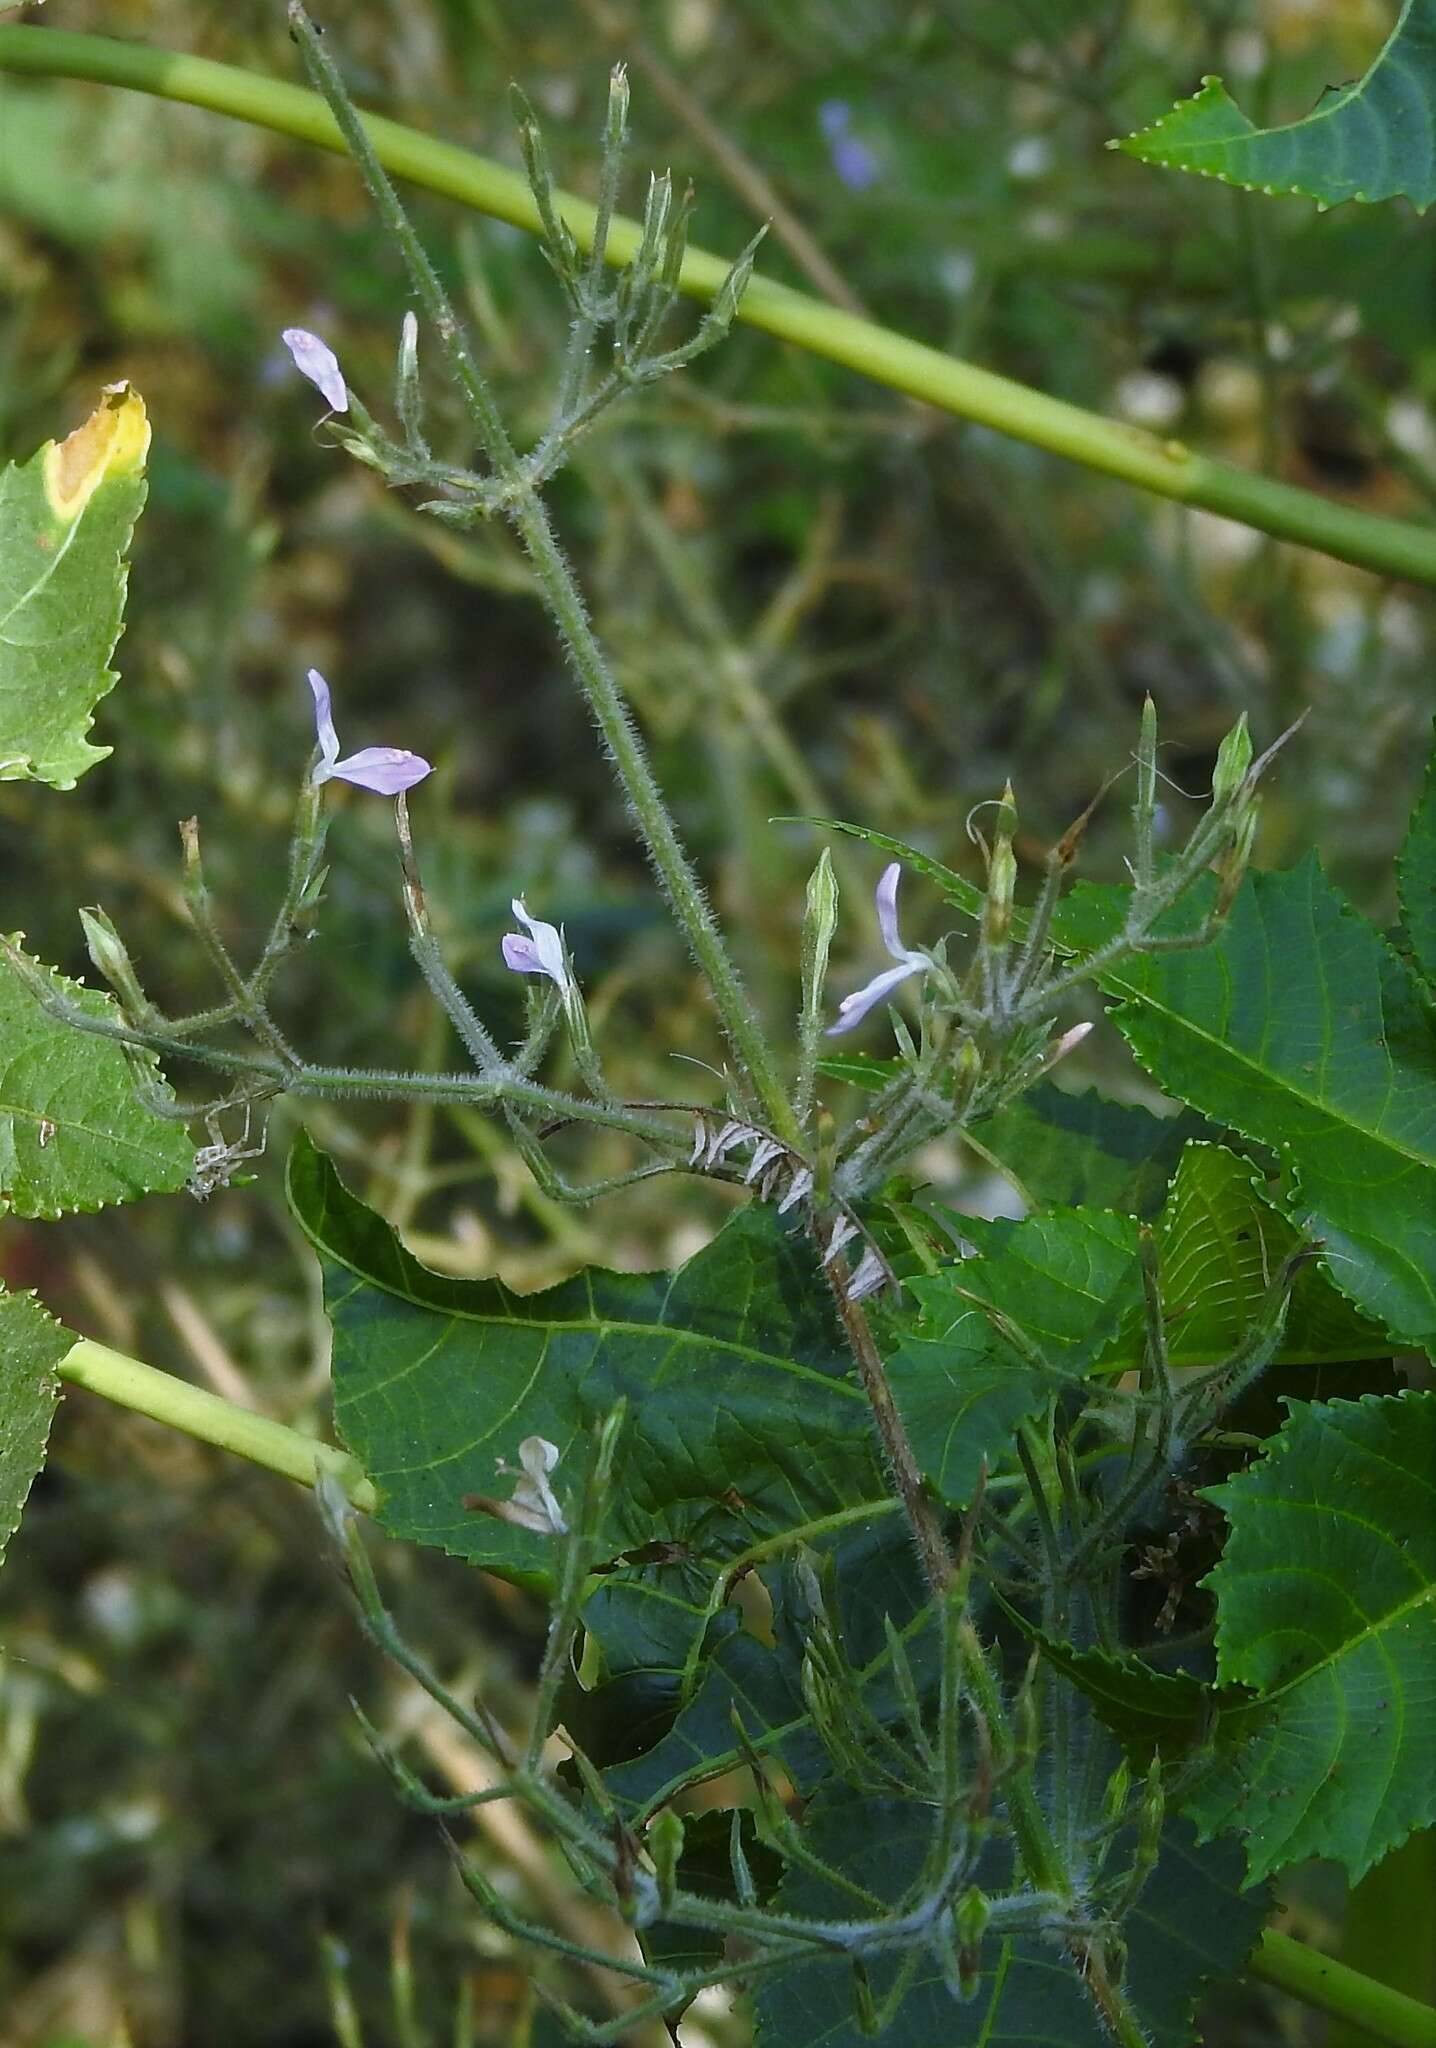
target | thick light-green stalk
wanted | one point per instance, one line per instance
(1391, 547)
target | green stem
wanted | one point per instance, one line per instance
(1331, 1987)
(205, 1416)
(1391, 547)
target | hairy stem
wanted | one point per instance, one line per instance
(937, 1561)
(566, 608)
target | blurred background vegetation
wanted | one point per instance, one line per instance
(821, 598)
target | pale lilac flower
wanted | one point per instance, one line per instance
(853, 161)
(852, 1009)
(385, 770)
(316, 360)
(541, 952)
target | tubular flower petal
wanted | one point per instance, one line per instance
(316, 360)
(385, 770)
(541, 952)
(852, 1009)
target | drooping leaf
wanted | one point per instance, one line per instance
(1300, 1028)
(742, 1420)
(73, 1133)
(66, 518)
(1326, 1607)
(1372, 140)
(1416, 878)
(1190, 1924)
(1083, 1150)
(1220, 1241)
(31, 1346)
(993, 1335)
(1149, 1711)
(954, 888)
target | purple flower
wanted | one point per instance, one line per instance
(853, 161)
(542, 952)
(385, 770)
(315, 360)
(852, 1009)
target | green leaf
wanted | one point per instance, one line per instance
(31, 1346)
(1189, 1924)
(1326, 1600)
(1300, 1028)
(1416, 878)
(1220, 1241)
(1149, 1711)
(1082, 1150)
(73, 1133)
(742, 1421)
(1372, 140)
(66, 518)
(760, 1682)
(995, 1334)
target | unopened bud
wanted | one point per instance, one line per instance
(1001, 873)
(1234, 758)
(1119, 1789)
(1154, 1813)
(966, 1073)
(664, 1843)
(408, 398)
(107, 949)
(617, 129)
(1068, 1042)
(729, 295)
(820, 921)
(970, 1916)
(865, 2005)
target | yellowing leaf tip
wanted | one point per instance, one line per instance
(113, 442)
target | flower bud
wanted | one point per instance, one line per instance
(107, 949)
(970, 1916)
(408, 398)
(1234, 758)
(664, 1843)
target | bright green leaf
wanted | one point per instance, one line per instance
(31, 1346)
(1220, 1240)
(994, 1334)
(742, 1421)
(73, 1133)
(1375, 139)
(1326, 1607)
(66, 518)
(1189, 1924)
(1300, 1028)
(1416, 877)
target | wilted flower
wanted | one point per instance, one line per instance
(316, 360)
(542, 952)
(533, 1504)
(386, 770)
(852, 1009)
